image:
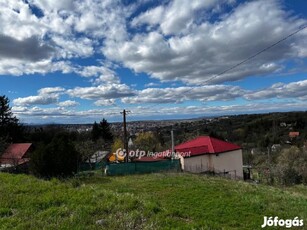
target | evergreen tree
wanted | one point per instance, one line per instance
(10, 128)
(102, 130)
(106, 132)
(95, 132)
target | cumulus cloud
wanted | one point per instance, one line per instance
(151, 84)
(180, 94)
(37, 114)
(41, 29)
(177, 16)
(105, 102)
(50, 5)
(68, 103)
(281, 90)
(46, 96)
(142, 111)
(108, 91)
(20, 67)
(99, 74)
(36, 100)
(50, 90)
(74, 47)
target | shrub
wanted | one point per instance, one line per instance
(59, 158)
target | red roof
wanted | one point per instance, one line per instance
(15, 152)
(294, 134)
(206, 145)
(149, 159)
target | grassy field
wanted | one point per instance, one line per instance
(154, 201)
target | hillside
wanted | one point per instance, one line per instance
(155, 201)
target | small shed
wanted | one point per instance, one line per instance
(207, 154)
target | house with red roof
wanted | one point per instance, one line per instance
(15, 155)
(207, 154)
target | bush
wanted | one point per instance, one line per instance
(291, 166)
(59, 158)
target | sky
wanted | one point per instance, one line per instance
(78, 61)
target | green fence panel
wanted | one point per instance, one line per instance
(142, 167)
(92, 166)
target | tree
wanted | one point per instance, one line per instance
(102, 130)
(291, 166)
(58, 158)
(10, 128)
(118, 144)
(87, 148)
(147, 142)
(3, 145)
(95, 132)
(106, 130)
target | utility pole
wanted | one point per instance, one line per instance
(125, 135)
(173, 148)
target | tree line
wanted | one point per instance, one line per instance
(58, 152)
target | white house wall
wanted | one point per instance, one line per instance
(230, 162)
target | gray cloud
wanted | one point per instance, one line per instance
(28, 49)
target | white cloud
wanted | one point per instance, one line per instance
(100, 74)
(68, 103)
(151, 84)
(50, 5)
(108, 91)
(105, 102)
(281, 90)
(50, 90)
(93, 71)
(17, 20)
(143, 111)
(178, 16)
(72, 47)
(46, 96)
(36, 100)
(180, 94)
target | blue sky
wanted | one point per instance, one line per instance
(79, 61)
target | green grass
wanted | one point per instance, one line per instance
(154, 201)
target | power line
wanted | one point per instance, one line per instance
(258, 53)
